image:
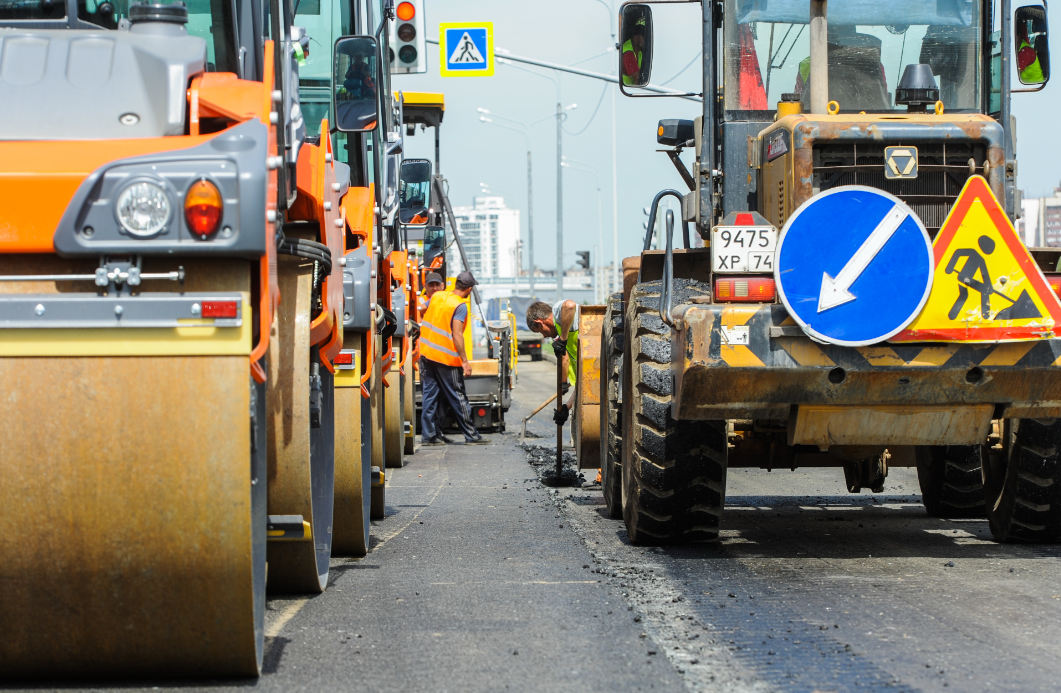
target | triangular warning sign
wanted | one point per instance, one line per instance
(466, 52)
(986, 287)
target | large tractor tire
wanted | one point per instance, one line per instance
(409, 406)
(353, 463)
(674, 472)
(394, 417)
(132, 506)
(611, 368)
(951, 478)
(1022, 481)
(301, 447)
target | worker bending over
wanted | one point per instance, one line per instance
(444, 363)
(559, 323)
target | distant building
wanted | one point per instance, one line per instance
(1050, 219)
(1027, 225)
(1040, 222)
(490, 234)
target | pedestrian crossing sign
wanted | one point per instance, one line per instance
(467, 49)
(986, 286)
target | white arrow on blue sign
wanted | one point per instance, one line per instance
(854, 266)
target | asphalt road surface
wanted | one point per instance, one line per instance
(481, 579)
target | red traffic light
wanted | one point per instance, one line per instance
(405, 11)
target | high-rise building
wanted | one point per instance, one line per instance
(1050, 219)
(1028, 227)
(490, 234)
(1040, 222)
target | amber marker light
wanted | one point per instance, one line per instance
(202, 209)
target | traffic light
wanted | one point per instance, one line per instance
(583, 259)
(408, 50)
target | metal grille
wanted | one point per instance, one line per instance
(942, 171)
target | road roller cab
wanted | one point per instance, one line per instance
(854, 294)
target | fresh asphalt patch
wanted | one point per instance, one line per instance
(827, 592)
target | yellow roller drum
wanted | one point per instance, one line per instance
(128, 539)
(409, 406)
(378, 509)
(300, 456)
(394, 418)
(353, 460)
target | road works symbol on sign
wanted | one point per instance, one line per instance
(853, 266)
(986, 286)
(467, 49)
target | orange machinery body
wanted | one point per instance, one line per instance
(358, 207)
(38, 180)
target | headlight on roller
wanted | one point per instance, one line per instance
(143, 209)
(202, 208)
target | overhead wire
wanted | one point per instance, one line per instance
(695, 57)
(599, 102)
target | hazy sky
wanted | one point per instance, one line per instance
(579, 32)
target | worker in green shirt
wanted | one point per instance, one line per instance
(632, 54)
(559, 323)
(1028, 65)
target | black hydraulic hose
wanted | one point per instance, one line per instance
(309, 250)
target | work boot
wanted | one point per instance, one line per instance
(431, 441)
(477, 441)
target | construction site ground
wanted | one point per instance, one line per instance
(482, 579)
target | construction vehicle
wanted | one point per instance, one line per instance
(161, 197)
(424, 210)
(713, 358)
(529, 343)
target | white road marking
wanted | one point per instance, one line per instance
(286, 615)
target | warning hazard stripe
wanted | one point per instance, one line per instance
(795, 350)
(976, 188)
(738, 355)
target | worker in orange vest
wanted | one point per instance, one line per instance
(433, 284)
(444, 363)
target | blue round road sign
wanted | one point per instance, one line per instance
(854, 266)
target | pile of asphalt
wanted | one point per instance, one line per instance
(543, 459)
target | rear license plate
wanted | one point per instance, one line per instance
(743, 248)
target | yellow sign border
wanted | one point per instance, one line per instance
(442, 53)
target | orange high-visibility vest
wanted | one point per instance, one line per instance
(436, 335)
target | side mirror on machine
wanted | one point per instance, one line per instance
(635, 45)
(414, 192)
(355, 64)
(1030, 41)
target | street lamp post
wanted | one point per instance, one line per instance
(530, 192)
(559, 202)
(560, 109)
(592, 170)
(617, 270)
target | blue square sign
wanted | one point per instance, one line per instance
(467, 49)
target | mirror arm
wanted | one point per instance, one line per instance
(1030, 89)
(388, 13)
(673, 155)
